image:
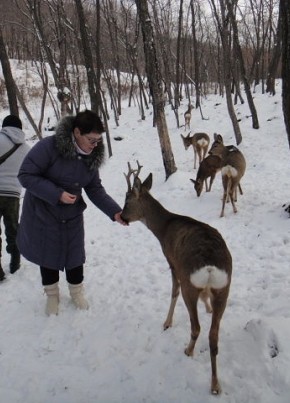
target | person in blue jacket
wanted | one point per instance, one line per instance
(51, 229)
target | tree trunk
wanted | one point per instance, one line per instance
(196, 56)
(87, 56)
(223, 27)
(177, 64)
(255, 121)
(155, 85)
(272, 69)
(285, 12)
(9, 81)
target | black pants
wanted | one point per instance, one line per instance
(73, 276)
(9, 210)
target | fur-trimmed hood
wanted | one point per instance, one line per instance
(65, 146)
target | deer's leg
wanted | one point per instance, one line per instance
(203, 153)
(190, 296)
(205, 296)
(211, 181)
(225, 195)
(174, 298)
(235, 196)
(223, 204)
(240, 189)
(199, 153)
(207, 189)
(232, 197)
(219, 300)
(195, 152)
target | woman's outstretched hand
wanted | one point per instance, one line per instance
(118, 218)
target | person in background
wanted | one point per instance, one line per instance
(13, 149)
(51, 230)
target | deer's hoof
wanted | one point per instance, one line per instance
(216, 389)
(167, 325)
(188, 352)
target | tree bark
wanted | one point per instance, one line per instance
(155, 85)
(272, 69)
(9, 81)
(87, 56)
(223, 27)
(196, 56)
(285, 12)
(255, 120)
(177, 94)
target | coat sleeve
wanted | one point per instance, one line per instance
(98, 195)
(33, 170)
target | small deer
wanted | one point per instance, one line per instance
(200, 143)
(187, 117)
(208, 168)
(200, 262)
(233, 169)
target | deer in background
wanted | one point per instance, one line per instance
(208, 168)
(200, 143)
(233, 169)
(187, 117)
(200, 262)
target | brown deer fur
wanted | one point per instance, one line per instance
(233, 169)
(199, 142)
(187, 117)
(200, 262)
(208, 168)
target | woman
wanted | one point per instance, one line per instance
(51, 231)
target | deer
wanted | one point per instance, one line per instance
(197, 254)
(208, 168)
(200, 143)
(233, 169)
(187, 117)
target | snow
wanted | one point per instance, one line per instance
(117, 351)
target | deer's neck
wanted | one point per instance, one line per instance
(156, 216)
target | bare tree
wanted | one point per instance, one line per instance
(13, 92)
(285, 13)
(177, 94)
(224, 31)
(88, 57)
(255, 121)
(9, 81)
(276, 56)
(155, 84)
(193, 7)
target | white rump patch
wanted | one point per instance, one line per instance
(209, 276)
(202, 142)
(229, 171)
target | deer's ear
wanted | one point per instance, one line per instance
(219, 138)
(148, 182)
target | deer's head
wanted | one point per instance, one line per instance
(217, 147)
(187, 141)
(198, 186)
(134, 206)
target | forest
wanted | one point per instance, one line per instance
(153, 52)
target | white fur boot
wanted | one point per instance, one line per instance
(77, 296)
(52, 292)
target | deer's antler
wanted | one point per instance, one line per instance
(131, 171)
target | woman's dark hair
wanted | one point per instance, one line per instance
(88, 121)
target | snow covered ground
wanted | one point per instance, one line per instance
(117, 351)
